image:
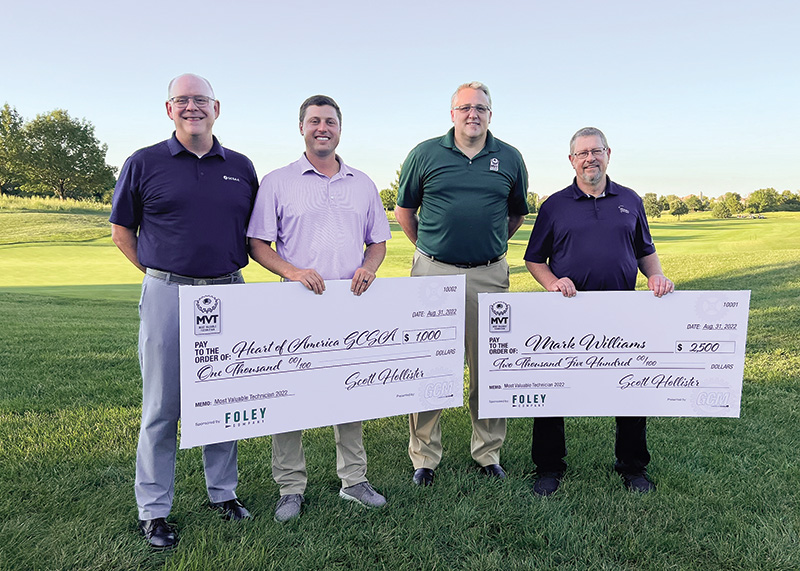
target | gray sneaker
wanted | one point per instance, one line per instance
(288, 507)
(364, 494)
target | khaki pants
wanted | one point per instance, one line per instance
(289, 461)
(425, 442)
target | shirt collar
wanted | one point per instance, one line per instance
(449, 141)
(611, 189)
(176, 147)
(306, 167)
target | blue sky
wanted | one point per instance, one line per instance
(693, 96)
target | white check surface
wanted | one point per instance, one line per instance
(612, 354)
(260, 359)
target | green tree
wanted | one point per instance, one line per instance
(62, 156)
(11, 145)
(389, 195)
(720, 210)
(696, 203)
(733, 201)
(678, 208)
(652, 206)
(668, 200)
(763, 200)
(789, 201)
(663, 202)
(533, 202)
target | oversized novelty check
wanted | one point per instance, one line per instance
(612, 354)
(266, 358)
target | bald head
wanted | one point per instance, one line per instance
(193, 76)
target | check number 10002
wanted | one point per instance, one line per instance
(705, 347)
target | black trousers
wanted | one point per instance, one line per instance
(549, 447)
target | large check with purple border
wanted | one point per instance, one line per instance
(267, 358)
(612, 354)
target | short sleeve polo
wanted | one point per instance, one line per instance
(596, 242)
(463, 203)
(191, 213)
(319, 222)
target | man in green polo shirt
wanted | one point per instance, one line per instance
(461, 197)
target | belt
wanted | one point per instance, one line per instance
(465, 265)
(169, 277)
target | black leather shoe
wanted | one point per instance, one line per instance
(232, 510)
(423, 477)
(494, 470)
(547, 483)
(638, 482)
(158, 533)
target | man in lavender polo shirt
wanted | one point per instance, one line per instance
(328, 223)
(179, 214)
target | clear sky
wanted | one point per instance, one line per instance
(694, 96)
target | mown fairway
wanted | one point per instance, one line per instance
(69, 412)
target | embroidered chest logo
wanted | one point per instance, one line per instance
(623, 210)
(494, 164)
(233, 178)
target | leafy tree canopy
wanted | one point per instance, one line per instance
(62, 156)
(678, 208)
(652, 205)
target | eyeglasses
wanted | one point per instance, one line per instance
(479, 109)
(182, 101)
(596, 153)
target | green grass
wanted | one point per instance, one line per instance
(69, 414)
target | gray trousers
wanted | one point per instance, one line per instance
(488, 434)
(161, 408)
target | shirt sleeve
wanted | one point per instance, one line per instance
(264, 218)
(409, 192)
(126, 205)
(642, 240)
(540, 243)
(377, 224)
(517, 199)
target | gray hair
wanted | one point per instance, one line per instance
(471, 85)
(203, 79)
(587, 132)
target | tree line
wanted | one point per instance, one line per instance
(725, 206)
(53, 155)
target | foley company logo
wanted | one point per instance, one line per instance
(245, 416)
(499, 317)
(528, 400)
(207, 315)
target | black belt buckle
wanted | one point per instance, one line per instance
(467, 266)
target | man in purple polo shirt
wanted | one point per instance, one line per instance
(179, 214)
(328, 223)
(592, 236)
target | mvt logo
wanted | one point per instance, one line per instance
(499, 317)
(207, 315)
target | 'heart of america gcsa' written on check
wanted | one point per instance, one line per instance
(267, 358)
(612, 353)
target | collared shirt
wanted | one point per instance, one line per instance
(191, 213)
(595, 242)
(319, 222)
(464, 203)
